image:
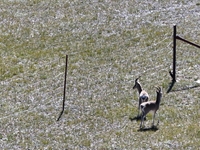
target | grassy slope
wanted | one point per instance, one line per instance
(109, 44)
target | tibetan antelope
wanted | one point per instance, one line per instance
(143, 95)
(146, 107)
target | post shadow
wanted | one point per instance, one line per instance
(170, 86)
(186, 88)
(137, 118)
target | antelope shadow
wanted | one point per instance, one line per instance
(152, 128)
(137, 118)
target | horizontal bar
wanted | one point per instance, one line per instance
(179, 38)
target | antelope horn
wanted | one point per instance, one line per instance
(137, 78)
(158, 88)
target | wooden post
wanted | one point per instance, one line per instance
(63, 106)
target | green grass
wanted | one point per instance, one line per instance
(109, 44)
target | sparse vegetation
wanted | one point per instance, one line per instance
(108, 42)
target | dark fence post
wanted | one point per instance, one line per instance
(174, 55)
(63, 106)
(173, 74)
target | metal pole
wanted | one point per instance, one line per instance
(184, 40)
(63, 106)
(174, 55)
